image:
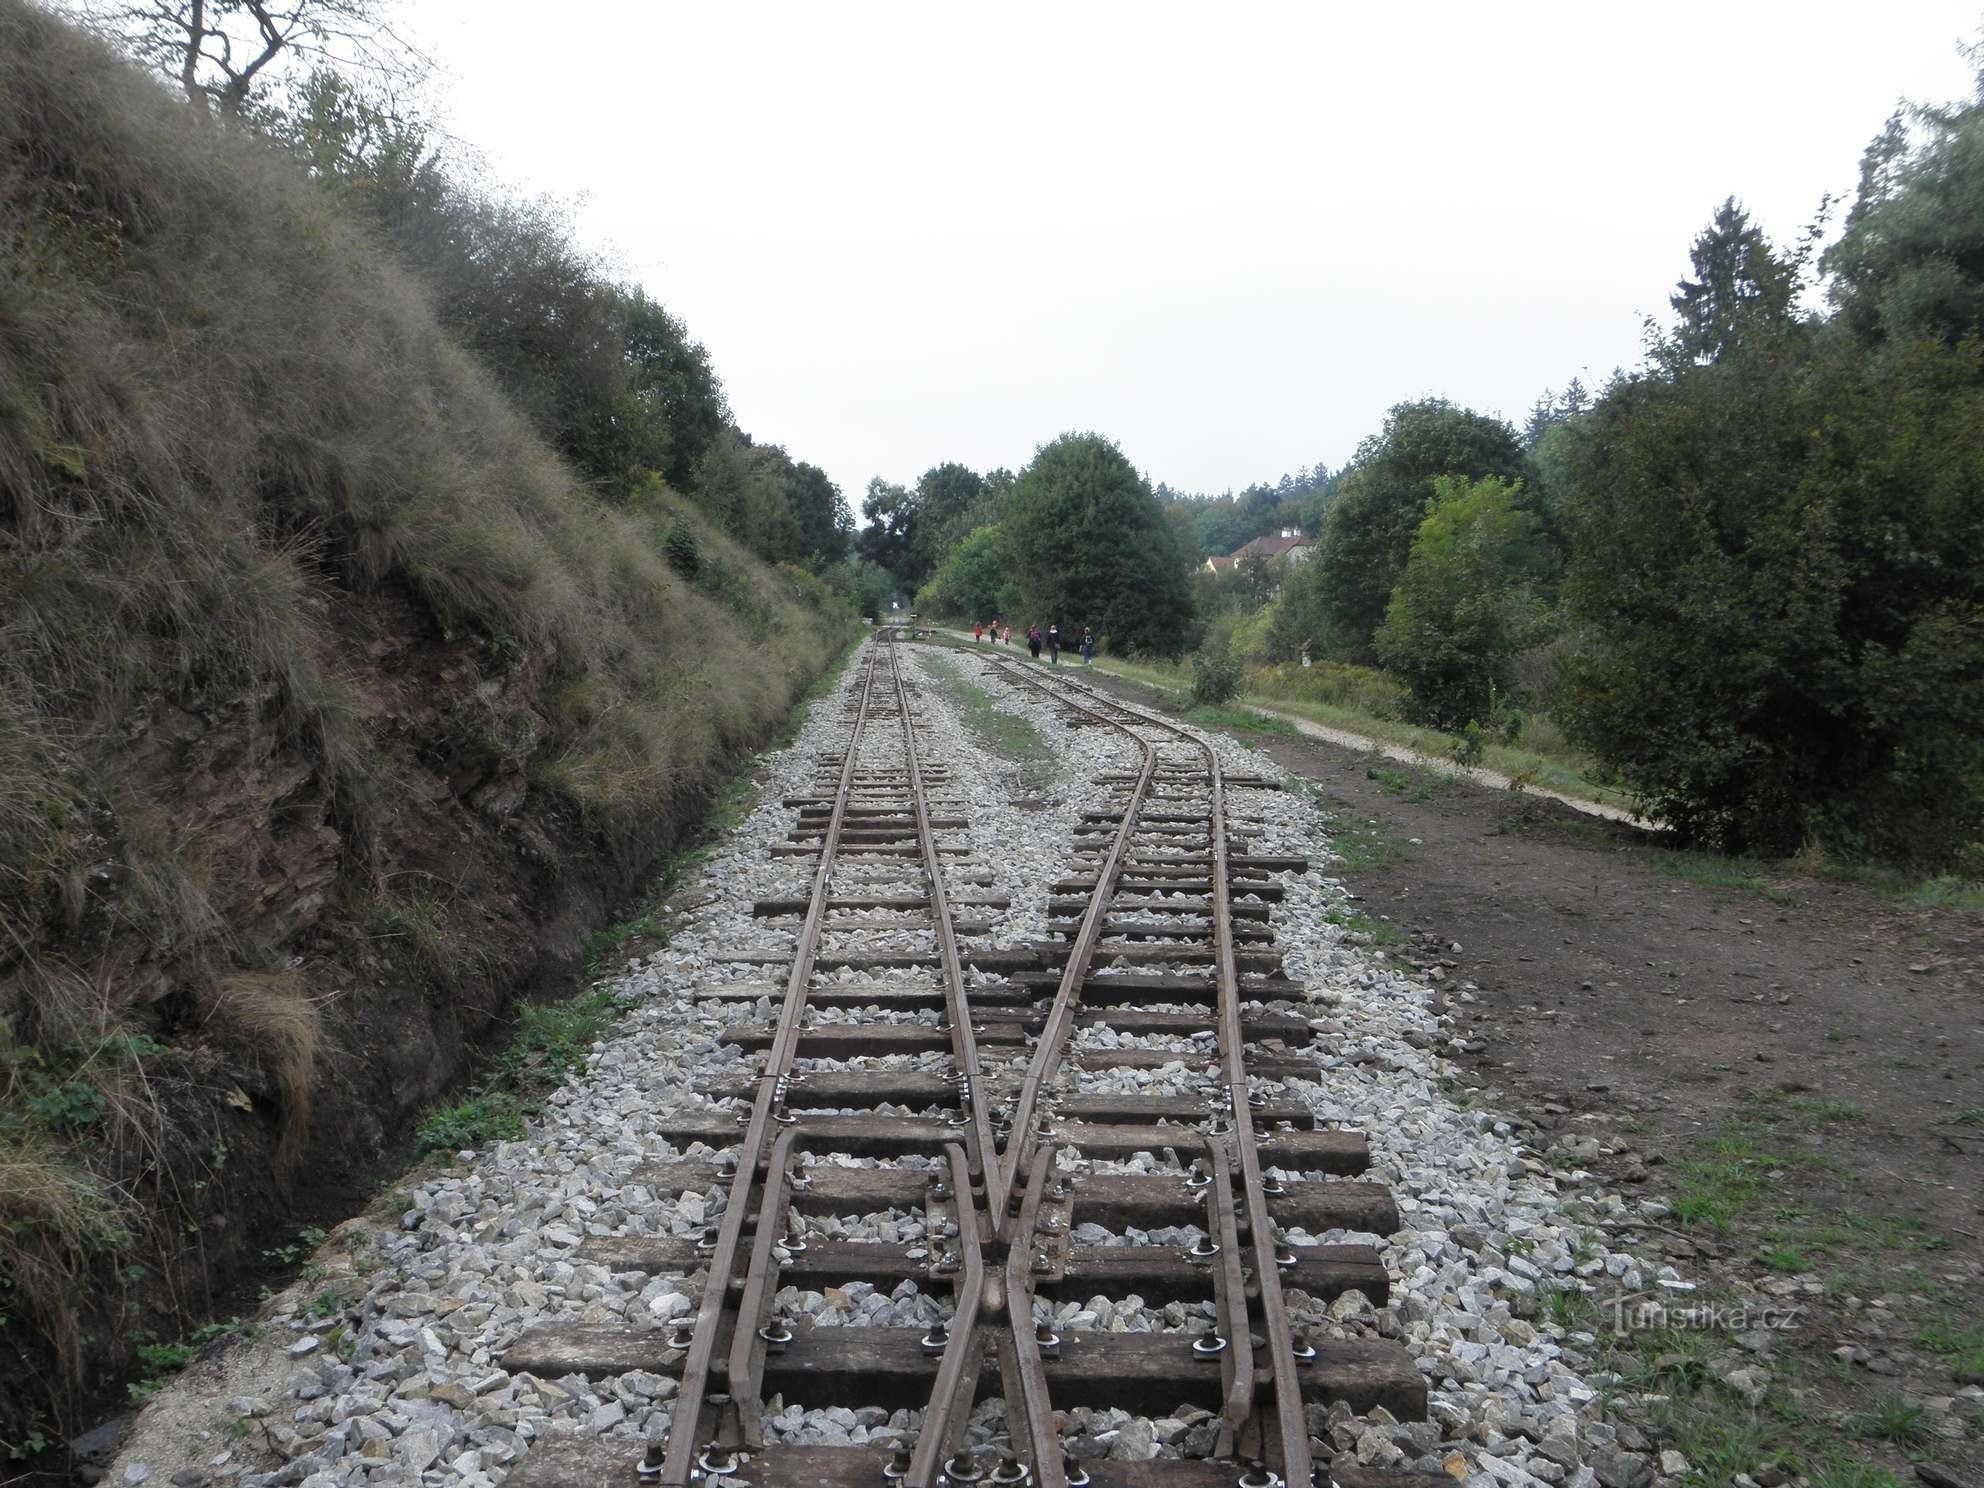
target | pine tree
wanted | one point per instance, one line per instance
(1739, 283)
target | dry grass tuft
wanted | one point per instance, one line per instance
(54, 1218)
(271, 1015)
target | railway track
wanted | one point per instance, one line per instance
(973, 1098)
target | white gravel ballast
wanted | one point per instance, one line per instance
(398, 1380)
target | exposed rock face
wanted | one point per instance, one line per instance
(407, 923)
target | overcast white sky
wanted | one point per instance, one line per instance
(1227, 236)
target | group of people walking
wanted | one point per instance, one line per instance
(1002, 635)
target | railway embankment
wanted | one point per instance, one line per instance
(336, 710)
(525, 1308)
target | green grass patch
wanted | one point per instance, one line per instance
(1841, 1471)
(601, 944)
(1365, 847)
(1724, 1177)
(1785, 1257)
(554, 1037)
(1238, 720)
(1715, 1428)
(1714, 871)
(1567, 1307)
(1962, 1348)
(158, 1362)
(997, 731)
(551, 1039)
(1939, 891)
(1890, 1420)
(495, 1117)
(1356, 844)
(1381, 932)
(1946, 892)
(1829, 1110)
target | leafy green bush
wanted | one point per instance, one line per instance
(975, 580)
(68, 1106)
(1470, 601)
(1470, 744)
(1777, 590)
(1215, 675)
(553, 1037)
(685, 554)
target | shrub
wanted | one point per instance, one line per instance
(1336, 683)
(1778, 598)
(685, 554)
(1469, 745)
(1469, 601)
(1215, 675)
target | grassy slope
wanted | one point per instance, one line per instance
(232, 438)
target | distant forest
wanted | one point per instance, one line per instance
(1745, 577)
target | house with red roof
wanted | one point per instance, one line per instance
(1288, 545)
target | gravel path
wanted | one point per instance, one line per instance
(401, 1385)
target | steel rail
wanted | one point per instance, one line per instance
(957, 1373)
(1237, 1359)
(979, 1147)
(677, 1468)
(754, 1307)
(1050, 1468)
(1298, 1465)
(1297, 1460)
(950, 1403)
(1060, 1022)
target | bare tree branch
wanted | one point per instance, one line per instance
(189, 72)
(226, 55)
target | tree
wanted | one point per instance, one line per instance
(1777, 594)
(825, 524)
(1739, 283)
(889, 514)
(353, 141)
(225, 55)
(871, 588)
(1910, 259)
(673, 405)
(1337, 599)
(1470, 599)
(743, 486)
(1550, 410)
(975, 580)
(1092, 547)
(949, 504)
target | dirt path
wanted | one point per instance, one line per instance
(1361, 743)
(1797, 1068)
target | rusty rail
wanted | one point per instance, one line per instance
(1295, 1465)
(1012, 1247)
(677, 1467)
